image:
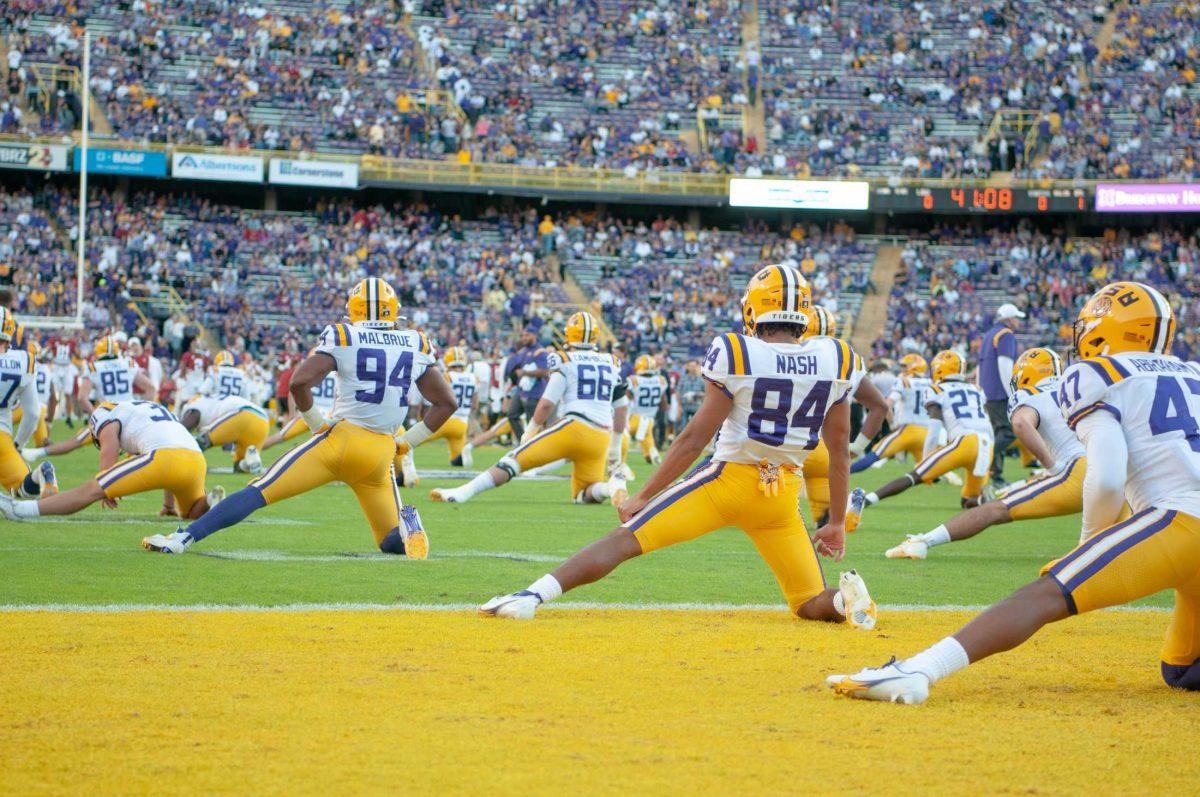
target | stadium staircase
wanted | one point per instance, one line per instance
(872, 315)
(755, 117)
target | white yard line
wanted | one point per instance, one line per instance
(119, 608)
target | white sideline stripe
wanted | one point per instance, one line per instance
(91, 520)
(276, 556)
(120, 608)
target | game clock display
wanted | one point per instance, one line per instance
(979, 199)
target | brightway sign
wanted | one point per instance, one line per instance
(230, 168)
(37, 157)
(326, 174)
(132, 162)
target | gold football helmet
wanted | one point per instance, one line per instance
(1124, 316)
(373, 303)
(106, 347)
(949, 364)
(776, 294)
(913, 365)
(1033, 366)
(455, 357)
(644, 365)
(225, 357)
(820, 322)
(581, 330)
(8, 324)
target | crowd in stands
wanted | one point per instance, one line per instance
(857, 87)
(952, 280)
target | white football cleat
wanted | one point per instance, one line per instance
(408, 469)
(890, 683)
(854, 508)
(517, 606)
(627, 472)
(912, 548)
(8, 506)
(860, 609)
(448, 496)
(953, 478)
(32, 455)
(43, 475)
(468, 458)
(252, 462)
(620, 491)
(215, 496)
(176, 542)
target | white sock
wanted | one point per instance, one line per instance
(26, 509)
(935, 663)
(872, 499)
(839, 603)
(481, 483)
(599, 492)
(547, 588)
(469, 447)
(939, 536)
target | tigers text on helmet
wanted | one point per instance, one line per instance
(581, 330)
(949, 365)
(455, 357)
(1033, 366)
(820, 322)
(913, 365)
(776, 295)
(372, 303)
(1124, 316)
(106, 347)
(645, 365)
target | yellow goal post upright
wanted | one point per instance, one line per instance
(75, 321)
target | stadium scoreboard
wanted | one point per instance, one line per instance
(985, 200)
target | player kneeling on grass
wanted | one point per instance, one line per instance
(1137, 411)
(773, 397)
(375, 366)
(583, 385)
(959, 405)
(229, 421)
(1041, 428)
(18, 390)
(323, 395)
(162, 456)
(454, 430)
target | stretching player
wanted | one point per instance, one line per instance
(907, 402)
(772, 396)
(1040, 426)
(111, 377)
(454, 430)
(959, 405)
(324, 395)
(45, 392)
(647, 397)
(162, 456)
(1135, 409)
(229, 421)
(375, 364)
(583, 385)
(19, 390)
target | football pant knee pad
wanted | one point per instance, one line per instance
(509, 465)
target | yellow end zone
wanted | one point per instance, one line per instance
(595, 701)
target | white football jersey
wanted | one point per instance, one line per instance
(1063, 443)
(143, 427)
(16, 372)
(910, 394)
(781, 393)
(1156, 398)
(225, 381)
(464, 386)
(325, 393)
(375, 370)
(962, 409)
(112, 379)
(41, 378)
(482, 371)
(582, 383)
(215, 410)
(646, 393)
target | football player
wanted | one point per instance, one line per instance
(45, 392)
(816, 465)
(1135, 408)
(18, 390)
(773, 396)
(582, 386)
(63, 374)
(324, 395)
(190, 374)
(375, 363)
(1041, 428)
(225, 421)
(960, 406)
(162, 456)
(454, 430)
(111, 377)
(907, 404)
(226, 378)
(647, 397)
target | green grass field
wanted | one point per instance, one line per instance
(316, 549)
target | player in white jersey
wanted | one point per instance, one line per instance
(225, 378)
(454, 430)
(375, 363)
(582, 386)
(772, 397)
(63, 373)
(323, 395)
(911, 420)
(959, 405)
(229, 421)
(42, 381)
(647, 397)
(18, 390)
(112, 378)
(1136, 409)
(1040, 427)
(162, 456)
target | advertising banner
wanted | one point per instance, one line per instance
(1148, 198)
(326, 174)
(38, 157)
(230, 168)
(799, 194)
(132, 162)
